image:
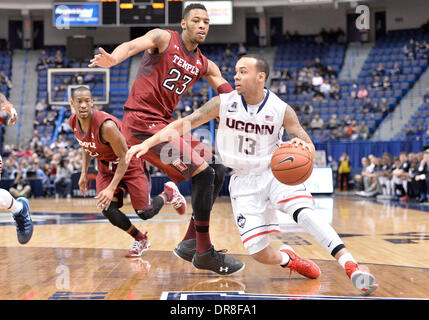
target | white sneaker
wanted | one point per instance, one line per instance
(174, 197)
(138, 248)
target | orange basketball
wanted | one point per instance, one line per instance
(292, 164)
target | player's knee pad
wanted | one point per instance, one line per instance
(5, 199)
(157, 204)
(321, 230)
(117, 217)
(202, 193)
(220, 173)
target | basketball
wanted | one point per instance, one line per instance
(292, 164)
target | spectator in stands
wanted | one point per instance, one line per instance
(335, 92)
(383, 107)
(367, 106)
(362, 93)
(308, 108)
(242, 50)
(276, 75)
(387, 85)
(409, 49)
(303, 78)
(363, 131)
(282, 89)
(65, 127)
(20, 187)
(420, 131)
(396, 70)
(45, 139)
(63, 179)
(5, 81)
(50, 119)
(38, 173)
(317, 122)
(38, 119)
(379, 71)
(27, 152)
(325, 88)
(43, 61)
(409, 132)
(35, 143)
(299, 88)
(400, 177)
(228, 54)
(361, 181)
(336, 133)
(286, 75)
(58, 59)
(329, 73)
(354, 91)
(369, 177)
(422, 177)
(376, 83)
(426, 96)
(318, 65)
(333, 122)
(353, 130)
(316, 81)
(344, 169)
(384, 178)
(41, 105)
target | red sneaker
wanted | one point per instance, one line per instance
(138, 247)
(305, 267)
(404, 198)
(174, 197)
(361, 279)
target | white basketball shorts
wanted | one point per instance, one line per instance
(255, 199)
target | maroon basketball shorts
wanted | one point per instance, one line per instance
(179, 158)
(136, 182)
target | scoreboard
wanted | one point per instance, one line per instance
(134, 13)
(141, 12)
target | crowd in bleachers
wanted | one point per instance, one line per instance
(400, 178)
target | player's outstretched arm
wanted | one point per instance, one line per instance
(83, 179)
(10, 109)
(207, 112)
(215, 79)
(153, 39)
(295, 131)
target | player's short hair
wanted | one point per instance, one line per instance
(193, 6)
(261, 64)
(81, 88)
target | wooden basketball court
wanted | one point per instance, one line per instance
(76, 254)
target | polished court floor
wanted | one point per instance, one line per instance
(76, 254)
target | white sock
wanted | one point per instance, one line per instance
(285, 258)
(345, 258)
(7, 202)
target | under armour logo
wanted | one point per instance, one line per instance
(223, 269)
(176, 47)
(199, 62)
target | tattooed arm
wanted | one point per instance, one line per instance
(295, 131)
(10, 109)
(155, 40)
(209, 111)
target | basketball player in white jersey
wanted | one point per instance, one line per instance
(251, 122)
(20, 208)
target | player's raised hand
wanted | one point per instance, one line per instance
(138, 150)
(13, 116)
(103, 59)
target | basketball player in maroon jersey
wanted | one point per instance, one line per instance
(100, 137)
(171, 64)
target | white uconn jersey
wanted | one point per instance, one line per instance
(246, 140)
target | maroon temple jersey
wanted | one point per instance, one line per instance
(91, 141)
(163, 78)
